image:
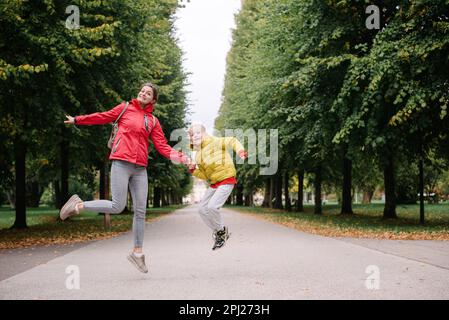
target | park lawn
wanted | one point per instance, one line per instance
(366, 222)
(44, 227)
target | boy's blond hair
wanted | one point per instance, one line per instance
(196, 125)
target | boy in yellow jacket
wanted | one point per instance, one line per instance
(214, 164)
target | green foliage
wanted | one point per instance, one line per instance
(45, 229)
(48, 71)
(366, 222)
(314, 71)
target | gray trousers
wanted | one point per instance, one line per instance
(123, 174)
(211, 203)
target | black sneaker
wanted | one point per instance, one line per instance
(221, 236)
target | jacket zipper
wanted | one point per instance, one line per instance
(145, 119)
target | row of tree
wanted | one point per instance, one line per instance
(355, 105)
(80, 57)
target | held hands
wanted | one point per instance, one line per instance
(191, 165)
(70, 120)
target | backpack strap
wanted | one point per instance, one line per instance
(154, 121)
(146, 122)
(121, 113)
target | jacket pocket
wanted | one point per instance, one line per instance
(116, 145)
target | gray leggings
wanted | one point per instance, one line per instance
(123, 174)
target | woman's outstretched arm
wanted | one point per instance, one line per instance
(164, 149)
(97, 117)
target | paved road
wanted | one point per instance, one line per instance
(262, 260)
(15, 261)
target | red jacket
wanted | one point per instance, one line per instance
(135, 127)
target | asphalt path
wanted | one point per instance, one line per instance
(261, 260)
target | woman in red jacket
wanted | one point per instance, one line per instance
(129, 155)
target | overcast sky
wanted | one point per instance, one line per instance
(204, 33)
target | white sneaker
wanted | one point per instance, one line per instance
(138, 262)
(70, 207)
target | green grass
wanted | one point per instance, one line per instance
(45, 228)
(365, 222)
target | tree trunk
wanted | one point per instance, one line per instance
(102, 191)
(318, 179)
(10, 194)
(272, 192)
(266, 197)
(150, 196)
(278, 191)
(163, 198)
(299, 204)
(368, 194)
(288, 204)
(157, 197)
(20, 175)
(346, 205)
(421, 191)
(57, 188)
(34, 193)
(249, 199)
(64, 154)
(239, 195)
(390, 195)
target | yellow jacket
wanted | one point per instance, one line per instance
(213, 159)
